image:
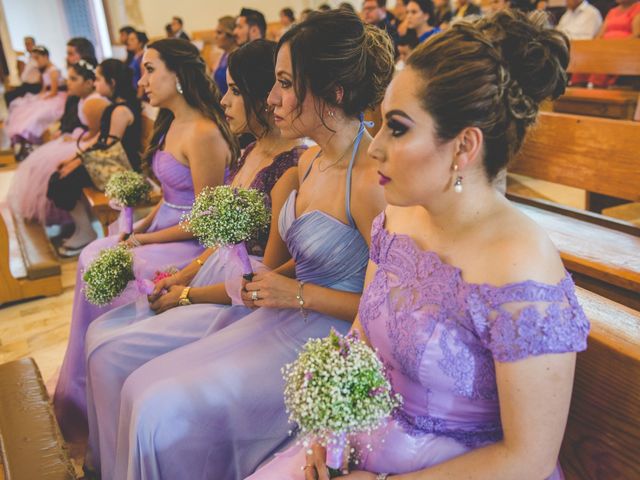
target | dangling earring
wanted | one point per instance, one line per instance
(332, 114)
(457, 185)
(179, 87)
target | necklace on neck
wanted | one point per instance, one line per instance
(320, 169)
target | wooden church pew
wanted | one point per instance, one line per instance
(598, 155)
(612, 57)
(602, 439)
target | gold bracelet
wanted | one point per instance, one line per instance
(199, 262)
(300, 299)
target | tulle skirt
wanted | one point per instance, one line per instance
(31, 115)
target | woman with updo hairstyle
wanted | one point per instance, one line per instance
(467, 302)
(190, 149)
(225, 390)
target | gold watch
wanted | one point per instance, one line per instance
(184, 297)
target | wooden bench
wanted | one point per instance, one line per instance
(602, 439)
(600, 156)
(613, 57)
(31, 445)
(28, 265)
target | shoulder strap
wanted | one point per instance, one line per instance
(347, 199)
(311, 166)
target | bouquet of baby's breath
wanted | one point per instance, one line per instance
(108, 275)
(335, 388)
(227, 215)
(125, 190)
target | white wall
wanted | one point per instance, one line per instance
(42, 19)
(203, 14)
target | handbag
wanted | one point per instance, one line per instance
(104, 159)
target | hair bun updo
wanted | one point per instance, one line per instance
(492, 74)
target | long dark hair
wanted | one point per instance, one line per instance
(253, 71)
(199, 91)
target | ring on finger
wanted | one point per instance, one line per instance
(254, 295)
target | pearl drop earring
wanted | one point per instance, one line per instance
(179, 87)
(457, 185)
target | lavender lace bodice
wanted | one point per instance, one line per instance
(439, 336)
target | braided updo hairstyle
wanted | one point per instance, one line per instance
(492, 74)
(199, 91)
(335, 49)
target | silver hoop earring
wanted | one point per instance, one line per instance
(179, 87)
(457, 185)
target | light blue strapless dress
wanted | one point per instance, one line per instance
(214, 408)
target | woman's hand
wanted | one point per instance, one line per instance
(167, 301)
(315, 467)
(131, 240)
(272, 290)
(166, 284)
(69, 166)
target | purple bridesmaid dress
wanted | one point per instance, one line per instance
(178, 196)
(438, 337)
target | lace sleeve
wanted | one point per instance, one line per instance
(527, 319)
(377, 230)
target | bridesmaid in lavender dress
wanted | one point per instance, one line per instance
(30, 115)
(127, 337)
(28, 190)
(467, 300)
(213, 408)
(191, 146)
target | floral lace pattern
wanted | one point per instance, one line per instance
(440, 335)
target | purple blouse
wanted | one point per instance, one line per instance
(439, 336)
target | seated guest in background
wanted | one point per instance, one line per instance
(30, 115)
(482, 348)
(401, 17)
(30, 76)
(124, 40)
(305, 13)
(135, 44)
(177, 27)
(224, 391)
(225, 41)
(120, 121)
(287, 19)
(466, 9)
(622, 21)
(420, 18)
(190, 148)
(343, 5)
(442, 14)
(169, 31)
(145, 330)
(375, 13)
(497, 5)
(325, 7)
(28, 190)
(79, 48)
(250, 25)
(406, 44)
(581, 21)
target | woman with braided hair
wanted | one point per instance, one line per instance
(466, 299)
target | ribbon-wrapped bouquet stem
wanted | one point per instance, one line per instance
(336, 388)
(126, 190)
(226, 215)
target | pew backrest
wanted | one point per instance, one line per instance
(613, 56)
(595, 154)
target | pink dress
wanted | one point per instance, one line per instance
(438, 337)
(28, 190)
(618, 25)
(31, 115)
